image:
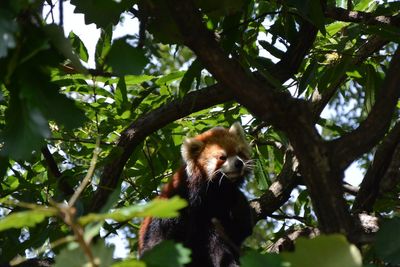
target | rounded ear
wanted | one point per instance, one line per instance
(191, 148)
(237, 129)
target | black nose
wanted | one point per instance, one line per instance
(238, 164)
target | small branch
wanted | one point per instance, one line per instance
(61, 12)
(352, 190)
(79, 140)
(286, 243)
(88, 176)
(287, 217)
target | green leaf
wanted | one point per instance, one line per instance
(137, 79)
(121, 96)
(73, 256)
(103, 46)
(161, 24)
(63, 45)
(125, 59)
(192, 73)
(25, 218)
(102, 12)
(387, 243)
(335, 27)
(255, 259)
(25, 128)
(79, 46)
(308, 76)
(161, 208)
(261, 177)
(311, 10)
(167, 254)
(129, 263)
(169, 78)
(324, 251)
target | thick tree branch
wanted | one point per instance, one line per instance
(342, 14)
(277, 109)
(195, 101)
(392, 175)
(370, 186)
(352, 145)
(261, 98)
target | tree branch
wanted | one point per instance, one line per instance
(147, 124)
(278, 109)
(192, 102)
(352, 145)
(370, 186)
(279, 191)
(342, 14)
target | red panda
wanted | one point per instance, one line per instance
(218, 216)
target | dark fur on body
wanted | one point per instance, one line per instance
(208, 200)
(218, 217)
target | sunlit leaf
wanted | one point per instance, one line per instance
(167, 254)
(129, 263)
(79, 46)
(25, 218)
(170, 77)
(74, 256)
(324, 251)
(162, 208)
(255, 259)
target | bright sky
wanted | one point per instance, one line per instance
(89, 34)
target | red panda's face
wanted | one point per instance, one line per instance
(218, 152)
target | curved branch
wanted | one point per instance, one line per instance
(147, 124)
(352, 145)
(370, 186)
(342, 14)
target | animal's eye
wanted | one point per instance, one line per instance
(223, 158)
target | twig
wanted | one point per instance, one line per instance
(88, 176)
